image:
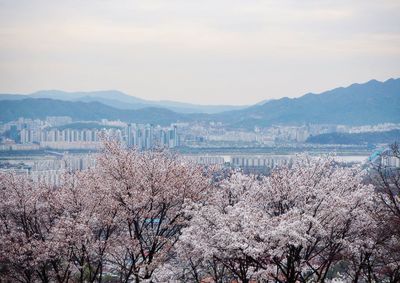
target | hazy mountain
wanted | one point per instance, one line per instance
(5, 96)
(263, 101)
(369, 103)
(84, 111)
(121, 100)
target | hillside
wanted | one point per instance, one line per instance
(120, 100)
(369, 103)
(92, 111)
(388, 137)
(359, 104)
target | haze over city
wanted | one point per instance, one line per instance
(205, 52)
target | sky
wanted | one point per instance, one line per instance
(236, 52)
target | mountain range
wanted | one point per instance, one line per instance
(120, 100)
(372, 102)
(39, 108)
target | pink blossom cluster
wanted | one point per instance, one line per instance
(152, 217)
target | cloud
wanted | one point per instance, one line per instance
(199, 51)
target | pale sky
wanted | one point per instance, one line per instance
(198, 51)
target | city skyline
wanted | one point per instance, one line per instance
(221, 52)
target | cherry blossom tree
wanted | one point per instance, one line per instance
(122, 217)
(317, 208)
(151, 190)
(88, 224)
(153, 217)
(291, 226)
(385, 262)
(30, 245)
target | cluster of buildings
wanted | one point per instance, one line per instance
(68, 138)
(269, 161)
(385, 157)
(50, 169)
(61, 134)
(148, 136)
(215, 134)
(370, 128)
(391, 161)
(247, 163)
(23, 123)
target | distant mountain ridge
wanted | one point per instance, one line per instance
(121, 100)
(373, 102)
(369, 103)
(39, 108)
